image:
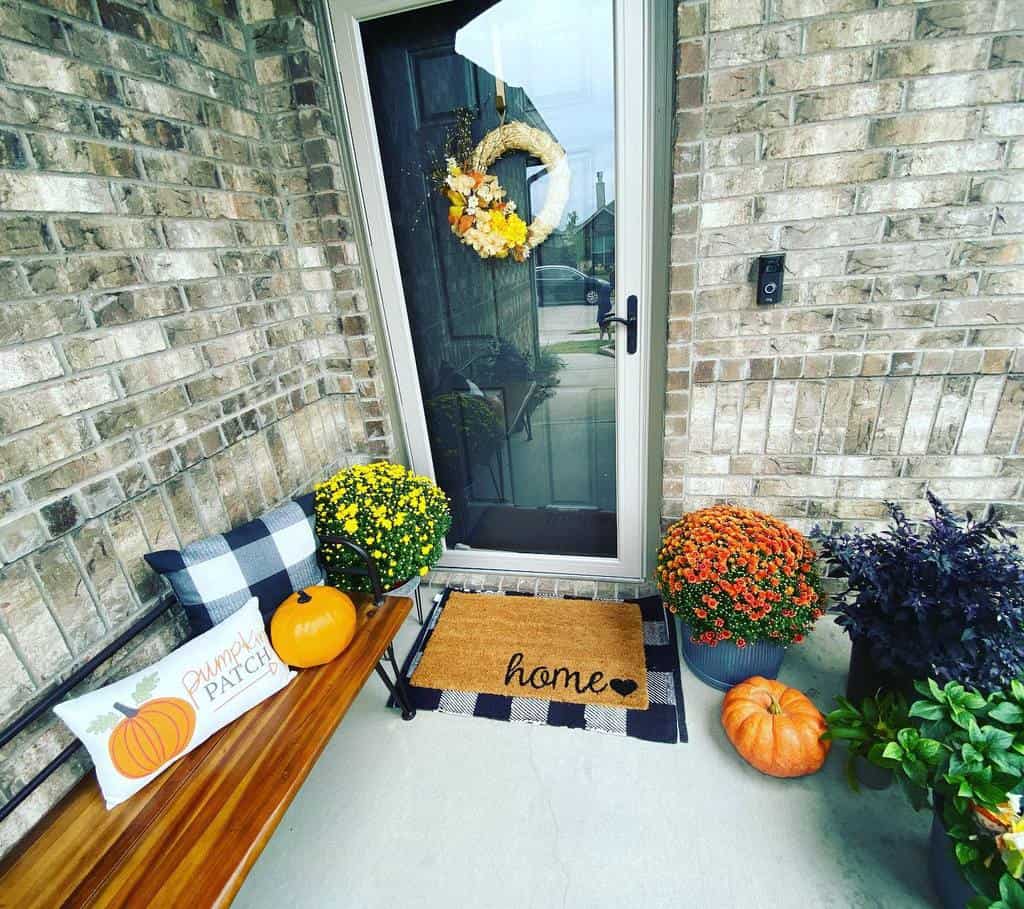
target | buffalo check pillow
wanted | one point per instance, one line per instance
(269, 558)
(137, 727)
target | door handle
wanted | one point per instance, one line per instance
(630, 322)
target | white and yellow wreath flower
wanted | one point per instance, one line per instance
(478, 212)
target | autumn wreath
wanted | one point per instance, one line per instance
(478, 212)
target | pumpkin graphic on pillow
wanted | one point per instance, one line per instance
(148, 735)
(140, 725)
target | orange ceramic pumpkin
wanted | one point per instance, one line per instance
(313, 626)
(151, 735)
(774, 728)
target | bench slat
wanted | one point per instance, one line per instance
(191, 836)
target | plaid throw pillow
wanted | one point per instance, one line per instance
(269, 558)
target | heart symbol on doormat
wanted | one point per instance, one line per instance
(625, 687)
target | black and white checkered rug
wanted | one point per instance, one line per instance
(664, 720)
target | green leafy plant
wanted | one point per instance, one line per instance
(864, 728)
(983, 738)
(966, 750)
(1011, 896)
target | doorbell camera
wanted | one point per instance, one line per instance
(769, 279)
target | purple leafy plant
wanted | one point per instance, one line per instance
(945, 602)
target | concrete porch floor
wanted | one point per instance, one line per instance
(449, 811)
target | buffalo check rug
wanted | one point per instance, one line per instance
(662, 720)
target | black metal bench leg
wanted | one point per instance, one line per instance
(399, 680)
(397, 688)
(419, 605)
(400, 683)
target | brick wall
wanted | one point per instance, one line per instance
(183, 339)
(881, 147)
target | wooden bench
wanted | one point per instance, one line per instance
(189, 838)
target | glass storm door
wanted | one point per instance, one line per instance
(521, 397)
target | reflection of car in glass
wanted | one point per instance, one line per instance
(563, 285)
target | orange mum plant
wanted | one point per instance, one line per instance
(737, 575)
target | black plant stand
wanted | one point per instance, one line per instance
(397, 688)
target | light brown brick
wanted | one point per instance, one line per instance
(816, 139)
(31, 624)
(824, 69)
(849, 101)
(873, 27)
(919, 59)
(753, 45)
(913, 129)
(823, 170)
(71, 601)
(924, 192)
(962, 90)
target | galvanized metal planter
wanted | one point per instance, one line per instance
(725, 664)
(407, 589)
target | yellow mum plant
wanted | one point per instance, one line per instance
(400, 518)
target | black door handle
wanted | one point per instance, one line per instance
(630, 322)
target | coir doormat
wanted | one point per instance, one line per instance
(585, 664)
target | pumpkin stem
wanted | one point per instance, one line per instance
(304, 597)
(774, 708)
(127, 711)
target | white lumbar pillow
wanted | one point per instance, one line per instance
(139, 726)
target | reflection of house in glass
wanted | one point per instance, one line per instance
(595, 237)
(589, 244)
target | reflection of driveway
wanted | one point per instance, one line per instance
(570, 462)
(557, 323)
(586, 371)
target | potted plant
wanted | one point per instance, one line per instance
(744, 585)
(962, 752)
(398, 517)
(860, 727)
(465, 425)
(945, 602)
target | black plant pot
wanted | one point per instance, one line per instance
(870, 775)
(865, 677)
(950, 885)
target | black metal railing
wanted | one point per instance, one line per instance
(43, 706)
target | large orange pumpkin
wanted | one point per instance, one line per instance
(313, 626)
(150, 735)
(774, 728)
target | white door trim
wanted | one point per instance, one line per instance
(640, 30)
